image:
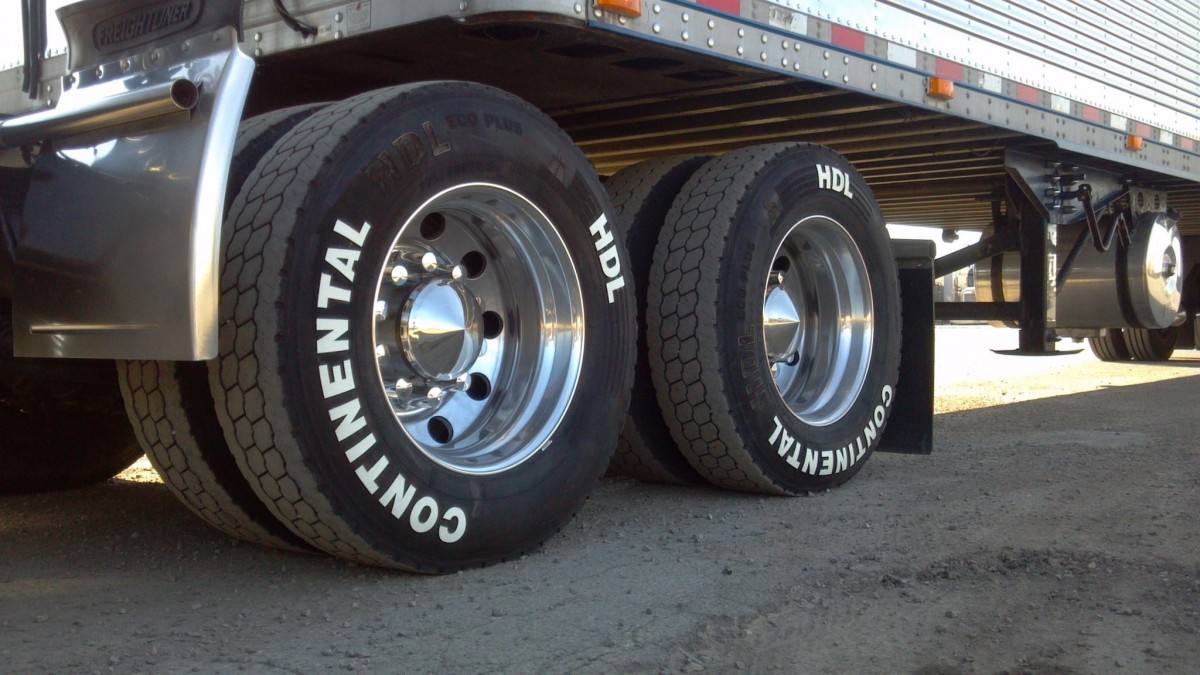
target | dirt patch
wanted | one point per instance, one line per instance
(1046, 534)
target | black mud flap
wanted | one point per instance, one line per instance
(910, 430)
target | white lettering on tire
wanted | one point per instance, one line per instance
(610, 262)
(827, 462)
(397, 494)
(833, 178)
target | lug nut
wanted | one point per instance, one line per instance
(429, 261)
(403, 387)
(399, 275)
(435, 393)
(456, 272)
(381, 310)
(777, 277)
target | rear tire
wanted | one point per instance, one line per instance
(642, 195)
(1110, 346)
(426, 334)
(172, 410)
(775, 256)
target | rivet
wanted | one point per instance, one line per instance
(874, 67)
(740, 51)
(99, 71)
(874, 86)
(711, 42)
(657, 8)
(186, 46)
(765, 39)
(598, 14)
(686, 18)
(825, 54)
(762, 56)
(796, 66)
(784, 62)
(684, 35)
(711, 24)
(578, 8)
(337, 35)
(258, 52)
(337, 17)
(825, 73)
(845, 60)
(621, 20)
(656, 28)
(787, 45)
(845, 78)
(741, 32)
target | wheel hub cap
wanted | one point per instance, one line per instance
(783, 325)
(442, 330)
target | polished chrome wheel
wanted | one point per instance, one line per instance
(478, 328)
(818, 322)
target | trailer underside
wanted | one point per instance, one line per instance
(625, 100)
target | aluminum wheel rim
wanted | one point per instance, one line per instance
(818, 320)
(478, 328)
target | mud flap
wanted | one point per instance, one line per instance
(117, 248)
(910, 430)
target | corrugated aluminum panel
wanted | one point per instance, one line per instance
(1138, 59)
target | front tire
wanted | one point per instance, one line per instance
(426, 333)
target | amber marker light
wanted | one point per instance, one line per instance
(940, 88)
(626, 7)
(1134, 143)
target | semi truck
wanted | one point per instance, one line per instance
(395, 280)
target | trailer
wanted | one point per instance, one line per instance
(395, 280)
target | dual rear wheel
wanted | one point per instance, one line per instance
(427, 330)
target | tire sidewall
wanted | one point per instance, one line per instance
(384, 170)
(827, 455)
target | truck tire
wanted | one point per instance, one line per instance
(172, 410)
(1110, 346)
(775, 255)
(1147, 344)
(426, 331)
(642, 195)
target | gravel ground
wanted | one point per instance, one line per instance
(1052, 531)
